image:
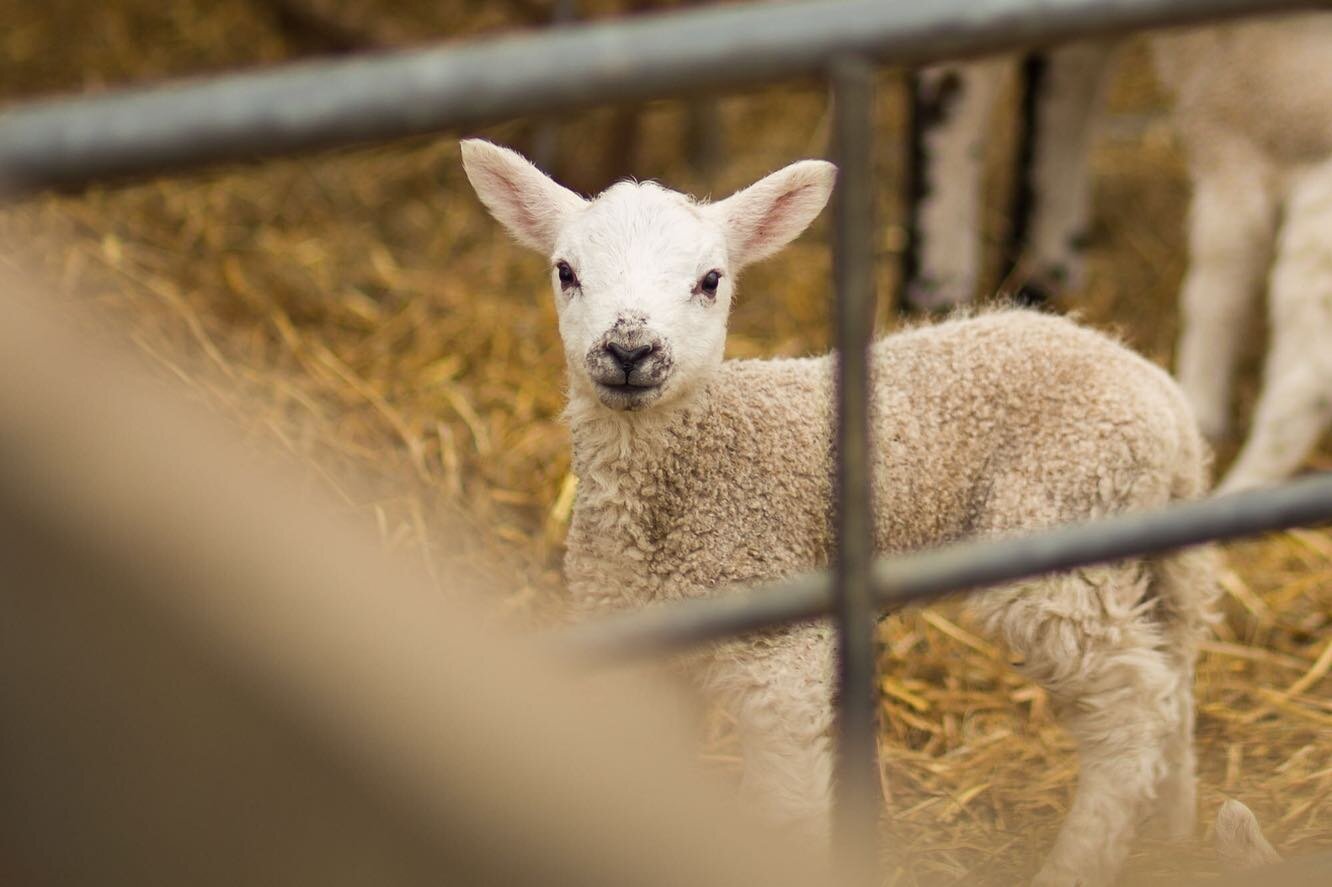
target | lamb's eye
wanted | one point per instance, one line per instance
(567, 277)
(707, 285)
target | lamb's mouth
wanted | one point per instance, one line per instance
(627, 395)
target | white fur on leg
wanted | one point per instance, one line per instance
(1187, 593)
(1123, 718)
(949, 215)
(1295, 406)
(1095, 641)
(1251, 110)
(1231, 226)
(1292, 413)
(1177, 800)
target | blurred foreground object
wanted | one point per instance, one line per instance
(210, 681)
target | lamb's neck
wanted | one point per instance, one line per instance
(614, 452)
(629, 484)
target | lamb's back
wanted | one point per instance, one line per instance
(1014, 420)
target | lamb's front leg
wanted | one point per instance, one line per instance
(779, 688)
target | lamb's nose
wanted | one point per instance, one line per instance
(628, 358)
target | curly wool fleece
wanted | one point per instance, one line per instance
(1001, 423)
(998, 424)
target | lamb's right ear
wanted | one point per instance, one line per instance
(519, 195)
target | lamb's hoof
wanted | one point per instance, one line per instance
(1239, 840)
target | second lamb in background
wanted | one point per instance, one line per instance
(1253, 109)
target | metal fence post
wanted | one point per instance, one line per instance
(856, 794)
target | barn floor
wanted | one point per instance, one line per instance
(358, 311)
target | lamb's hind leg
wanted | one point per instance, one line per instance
(1092, 640)
(1177, 800)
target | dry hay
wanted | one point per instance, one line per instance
(360, 311)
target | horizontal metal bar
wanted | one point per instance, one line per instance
(674, 627)
(299, 107)
(914, 578)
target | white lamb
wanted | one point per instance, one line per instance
(697, 473)
(1253, 106)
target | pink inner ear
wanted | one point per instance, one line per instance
(517, 205)
(508, 201)
(770, 224)
(764, 228)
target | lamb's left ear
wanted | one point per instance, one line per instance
(770, 213)
(522, 197)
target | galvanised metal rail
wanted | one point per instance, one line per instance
(926, 576)
(856, 773)
(299, 107)
(74, 142)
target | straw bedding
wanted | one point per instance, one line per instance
(358, 311)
